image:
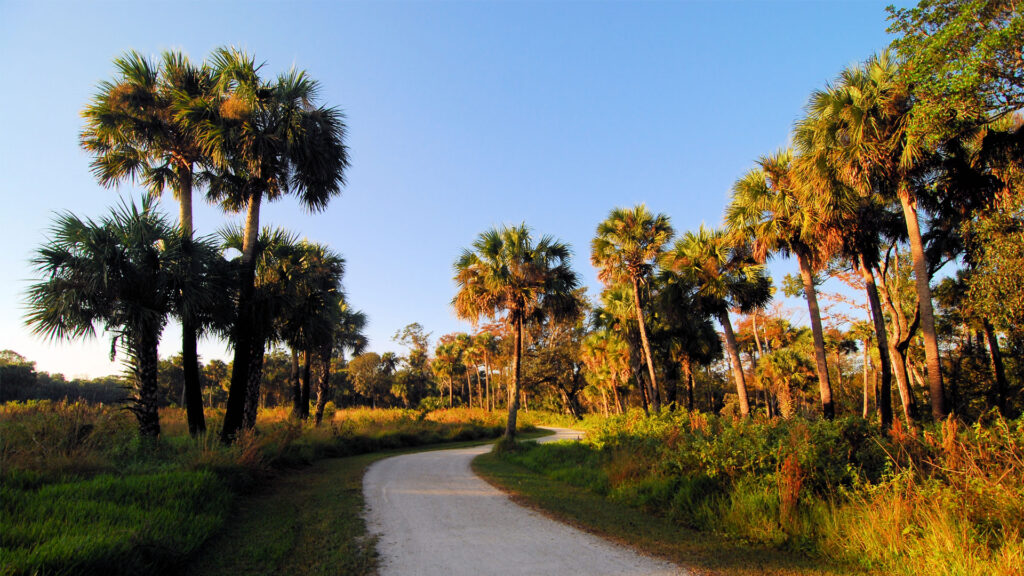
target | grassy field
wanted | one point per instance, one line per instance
(702, 553)
(80, 493)
(745, 497)
(306, 522)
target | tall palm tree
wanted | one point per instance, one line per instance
(278, 256)
(308, 319)
(347, 337)
(506, 273)
(862, 124)
(626, 248)
(266, 140)
(773, 210)
(726, 277)
(135, 130)
(117, 273)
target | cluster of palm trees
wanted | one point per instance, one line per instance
(459, 355)
(858, 193)
(169, 124)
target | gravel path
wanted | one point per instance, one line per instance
(433, 516)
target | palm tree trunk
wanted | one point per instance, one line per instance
(924, 302)
(487, 380)
(296, 385)
(737, 368)
(252, 394)
(867, 398)
(996, 358)
(147, 402)
(189, 333)
(480, 389)
(307, 361)
(884, 399)
(655, 396)
(688, 374)
(898, 341)
(513, 403)
(244, 325)
(323, 383)
(824, 386)
(786, 407)
(193, 384)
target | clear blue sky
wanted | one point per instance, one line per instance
(461, 116)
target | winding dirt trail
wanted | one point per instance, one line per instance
(433, 516)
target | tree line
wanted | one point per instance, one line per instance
(903, 180)
(895, 172)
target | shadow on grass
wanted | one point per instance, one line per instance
(303, 522)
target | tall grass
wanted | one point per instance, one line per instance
(82, 493)
(948, 500)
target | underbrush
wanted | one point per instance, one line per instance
(82, 493)
(946, 500)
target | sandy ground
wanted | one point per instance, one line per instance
(433, 516)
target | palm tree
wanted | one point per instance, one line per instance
(446, 364)
(627, 245)
(487, 345)
(117, 273)
(783, 367)
(505, 272)
(773, 210)
(726, 277)
(617, 314)
(278, 259)
(348, 337)
(606, 357)
(309, 319)
(691, 333)
(862, 127)
(135, 130)
(266, 140)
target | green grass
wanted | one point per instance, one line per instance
(701, 552)
(80, 493)
(306, 522)
(109, 524)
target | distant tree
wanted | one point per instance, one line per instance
(171, 381)
(216, 378)
(17, 376)
(506, 273)
(370, 375)
(447, 364)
